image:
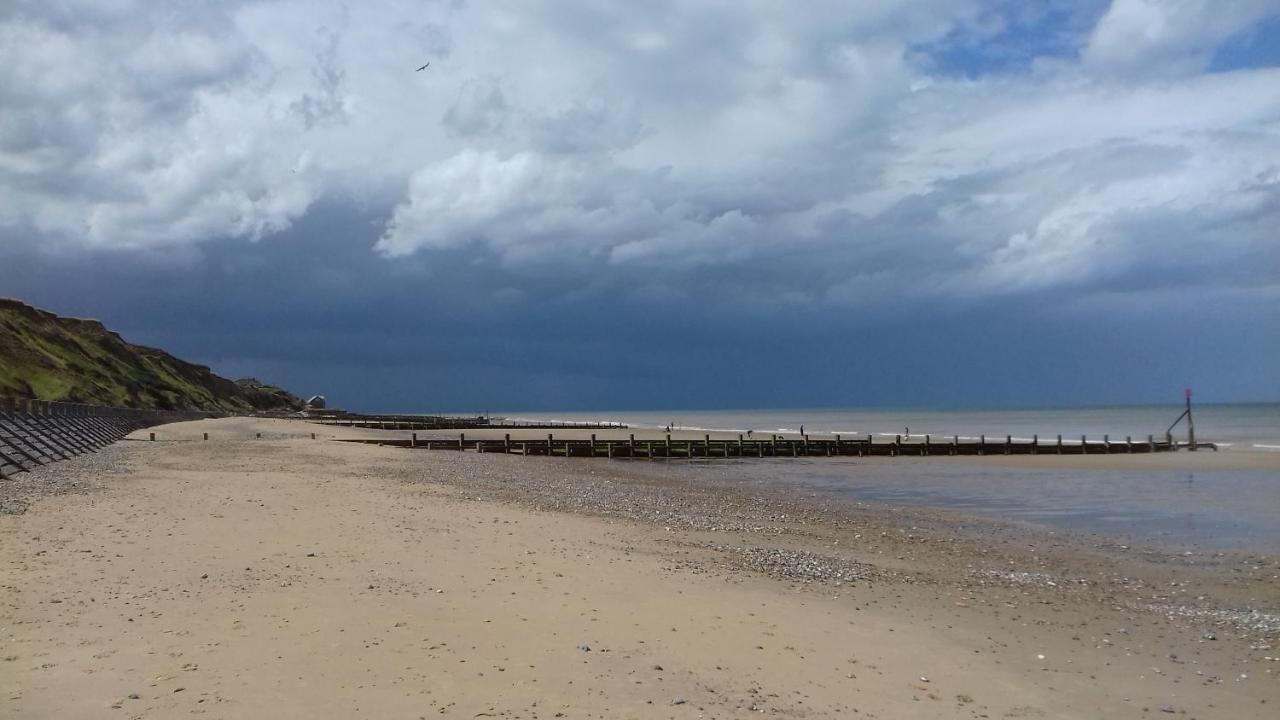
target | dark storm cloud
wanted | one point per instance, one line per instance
(661, 204)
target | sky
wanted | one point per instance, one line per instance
(587, 205)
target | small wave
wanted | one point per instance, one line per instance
(558, 421)
(699, 428)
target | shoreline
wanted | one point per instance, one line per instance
(653, 564)
(1206, 500)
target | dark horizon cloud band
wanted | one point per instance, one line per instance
(939, 204)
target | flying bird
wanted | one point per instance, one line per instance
(424, 67)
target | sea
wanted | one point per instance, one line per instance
(1236, 507)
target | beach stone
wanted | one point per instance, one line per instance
(1166, 708)
(584, 647)
(133, 696)
(678, 701)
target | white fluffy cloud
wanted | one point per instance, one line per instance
(1168, 37)
(822, 143)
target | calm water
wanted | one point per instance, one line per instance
(1227, 509)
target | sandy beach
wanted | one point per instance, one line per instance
(282, 576)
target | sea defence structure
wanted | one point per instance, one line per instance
(35, 432)
(777, 446)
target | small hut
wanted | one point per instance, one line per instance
(315, 402)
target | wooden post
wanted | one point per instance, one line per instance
(593, 444)
(632, 442)
(313, 436)
(706, 444)
(1035, 444)
(206, 436)
(955, 444)
(1151, 443)
(668, 444)
(926, 444)
(1191, 423)
(1008, 444)
(1106, 443)
(413, 440)
(1084, 445)
(1059, 444)
(462, 441)
(740, 449)
(775, 445)
(153, 437)
(1128, 444)
(506, 442)
(982, 444)
(897, 445)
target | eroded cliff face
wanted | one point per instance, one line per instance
(49, 357)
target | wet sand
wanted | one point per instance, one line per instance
(286, 577)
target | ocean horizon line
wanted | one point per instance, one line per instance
(833, 408)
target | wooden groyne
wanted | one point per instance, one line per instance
(35, 432)
(780, 447)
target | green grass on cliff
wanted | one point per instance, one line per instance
(47, 357)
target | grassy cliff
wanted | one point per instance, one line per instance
(47, 357)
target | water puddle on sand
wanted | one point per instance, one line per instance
(1220, 509)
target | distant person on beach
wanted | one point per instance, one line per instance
(748, 433)
(907, 433)
(801, 429)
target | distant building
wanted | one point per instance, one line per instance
(315, 402)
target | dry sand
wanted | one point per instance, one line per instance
(289, 578)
